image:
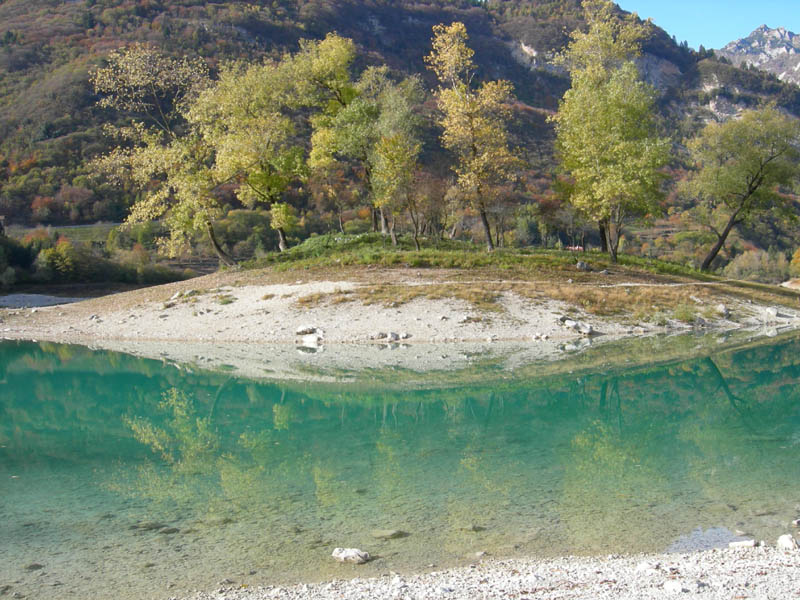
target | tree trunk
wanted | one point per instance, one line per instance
(341, 223)
(612, 240)
(601, 225)
(282, 245)
(721, 237)
(415, 222)
(223, 256)
(374, 219)
(487, 230)
(392, 232)
(384, 221)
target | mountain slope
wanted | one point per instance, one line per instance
(774, 50)
(50, 127)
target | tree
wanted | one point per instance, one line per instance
(282, 220)
(739, 168)
(149, 84)
(160, 154)
(606, 129)
(359, 130)
(475, 122)
(247, 118)
(237, 130)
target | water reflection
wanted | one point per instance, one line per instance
(154, 477)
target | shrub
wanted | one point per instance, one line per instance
(757, 265)
(794, 266)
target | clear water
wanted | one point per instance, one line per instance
(129, 478)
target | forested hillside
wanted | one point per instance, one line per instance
(51, 125)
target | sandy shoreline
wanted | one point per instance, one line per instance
(326, 330)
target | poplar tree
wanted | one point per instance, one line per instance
(606, 130)
(475, 122)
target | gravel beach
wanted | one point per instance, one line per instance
(758, 573)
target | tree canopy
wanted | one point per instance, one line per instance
(475, 122)
(739, 167)
(607, 136)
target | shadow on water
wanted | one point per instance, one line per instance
(121, 473)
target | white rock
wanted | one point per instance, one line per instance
(350, 555)
(722, 311)
(585, 329)
(393, 337)
(570, 324)
(311, 340)
(176, 295)
(743, 544)
(674, 586)
(787, 542)
(307, 330)
(796, 522)
(650, 568)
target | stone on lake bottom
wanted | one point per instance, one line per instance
(350, 555)
(388, 534)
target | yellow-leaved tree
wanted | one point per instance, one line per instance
(475, 122)
(607, 138)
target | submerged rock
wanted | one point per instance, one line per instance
(34, 567)
(388, 534)
(350, 555)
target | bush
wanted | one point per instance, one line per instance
(794, 266)
(8, 277)
(760, 266)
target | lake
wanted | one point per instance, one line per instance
(134, 478)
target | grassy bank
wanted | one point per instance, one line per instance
(636, 288)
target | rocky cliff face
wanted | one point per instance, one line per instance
(773, 50)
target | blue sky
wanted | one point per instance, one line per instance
(714, 23)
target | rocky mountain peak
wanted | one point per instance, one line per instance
(773, 50)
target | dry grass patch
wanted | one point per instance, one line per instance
(391, 295)
(638, 302)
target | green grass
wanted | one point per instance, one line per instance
(332, 250)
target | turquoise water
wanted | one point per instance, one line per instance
(131, 478)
